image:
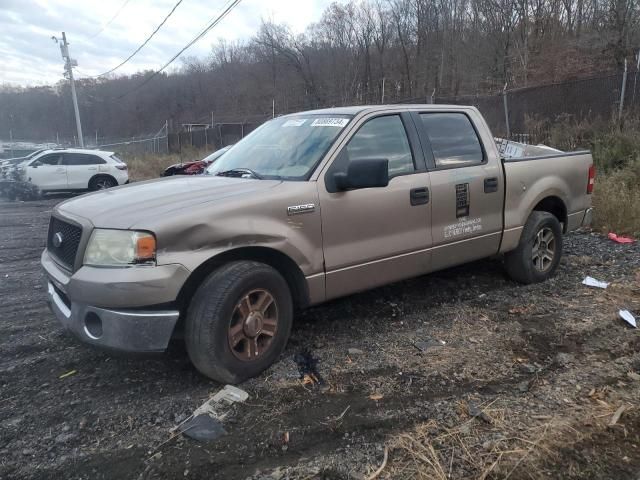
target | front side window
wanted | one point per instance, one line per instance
(284, 148)
(54, 159)
(454, 141)
(76, 159)
(382, 137)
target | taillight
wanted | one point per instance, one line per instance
(121, 166)
(592, 179)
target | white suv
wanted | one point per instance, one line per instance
(74, 169)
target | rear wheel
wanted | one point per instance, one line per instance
(239, 321)
(102, 182)
(538, 254)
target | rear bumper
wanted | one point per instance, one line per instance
(124, 330)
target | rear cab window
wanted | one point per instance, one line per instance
(453, 139)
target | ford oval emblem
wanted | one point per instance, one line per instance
(58, 239)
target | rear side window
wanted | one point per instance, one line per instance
(454, 141)
(75, 159)
(383, 137)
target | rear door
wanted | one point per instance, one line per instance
(467, 188)
(373, 236)
(47, 172)
(80, 168)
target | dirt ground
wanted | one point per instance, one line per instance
(459, 374)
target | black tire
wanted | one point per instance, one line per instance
(102, 182)
(212, 315)
(521, 264)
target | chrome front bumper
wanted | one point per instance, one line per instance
(125, 330)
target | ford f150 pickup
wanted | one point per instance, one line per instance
(308, 207)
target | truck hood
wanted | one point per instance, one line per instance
(123, 207)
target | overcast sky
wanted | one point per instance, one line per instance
(28, 55)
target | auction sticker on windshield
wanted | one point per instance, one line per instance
(330, 122)
(294, 123)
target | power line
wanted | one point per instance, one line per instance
(211, 25)
(145, 42)
(111, 20)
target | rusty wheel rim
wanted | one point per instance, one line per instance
(253, 325)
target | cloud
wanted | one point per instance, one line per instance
(31, 57)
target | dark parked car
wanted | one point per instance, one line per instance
(196, 167)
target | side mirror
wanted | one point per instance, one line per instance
(366, 173)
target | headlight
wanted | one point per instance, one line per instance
(117, 248)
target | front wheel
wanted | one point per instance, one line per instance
(239, 321)
(538, 254)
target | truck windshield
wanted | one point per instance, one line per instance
(285, 148)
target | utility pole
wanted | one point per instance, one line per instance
(635, 80)
(506, 111)
(69, 63)
(623, 90)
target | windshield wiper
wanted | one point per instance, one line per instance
(239, 172)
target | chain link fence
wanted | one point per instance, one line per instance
(522, 114)
(527, 114)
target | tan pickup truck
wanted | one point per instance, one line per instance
(309, 207)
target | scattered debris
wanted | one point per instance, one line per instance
(634, 376)
(616, 416)
(308, 368)
(561, 359)
(338, 418)
(476, 412)
(381, 468)
(424, 345)
(520, 310)
(524, 386)
(527, 368)
(68, 374)
(592, 282)
(628, 317)
(205, 424)
(203, 428)
(620, 238)
(376, 396)
(355, 351)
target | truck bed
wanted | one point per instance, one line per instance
(529, 180)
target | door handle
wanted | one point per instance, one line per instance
(419, 196)
(491, 185)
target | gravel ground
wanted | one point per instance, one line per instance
(459, 374)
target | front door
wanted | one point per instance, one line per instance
(466, 188)
(373, 236)
(47, 172)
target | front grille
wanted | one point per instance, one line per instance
(65, 252)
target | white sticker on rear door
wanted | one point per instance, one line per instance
(294, 122)
(330, 122)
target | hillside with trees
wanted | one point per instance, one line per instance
(359, 52)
